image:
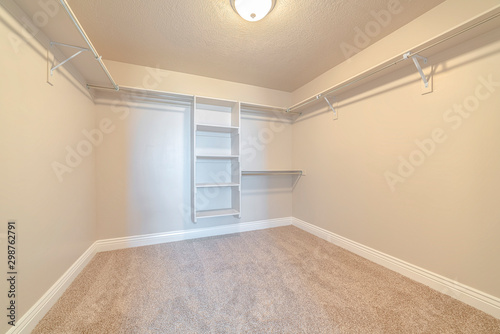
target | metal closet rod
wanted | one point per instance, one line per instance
(362, 77)
(89, 43)
(322, 94)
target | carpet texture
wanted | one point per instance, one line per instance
(280, 280)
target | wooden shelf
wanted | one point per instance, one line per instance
(217, 213)
(216, 185)
(217, 128)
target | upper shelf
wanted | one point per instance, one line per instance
(215, 102)
(87, 68)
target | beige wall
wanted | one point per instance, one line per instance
(176, 82)
(266, 145)
(143, 170)
(56, 220)
(442, 213)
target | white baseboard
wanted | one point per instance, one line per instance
(29, 320)
(159, 238)
(478, 299)
(466, 294)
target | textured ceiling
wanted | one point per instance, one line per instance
(296, 42)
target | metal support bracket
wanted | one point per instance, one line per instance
(335, 115)
(68, 59)
(415, 58)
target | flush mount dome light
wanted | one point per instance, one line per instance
(253, 10)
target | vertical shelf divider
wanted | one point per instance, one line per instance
(193, 161)
(237, 114)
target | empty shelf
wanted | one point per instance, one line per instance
(215, 102)
(217, 128)
(217, 213)
(217, 156)
(272, 172)
(213, 185)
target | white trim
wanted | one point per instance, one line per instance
(159, 238)
(29, 320)
(473, 297)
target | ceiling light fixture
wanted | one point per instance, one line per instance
(253, 10)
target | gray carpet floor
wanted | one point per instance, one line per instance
(280, 280)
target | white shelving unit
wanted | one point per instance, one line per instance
(215, 158)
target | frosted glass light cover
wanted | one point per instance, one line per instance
(253, 10)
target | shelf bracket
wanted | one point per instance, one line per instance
(80, 50)
(335, 115)
(415, 59)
